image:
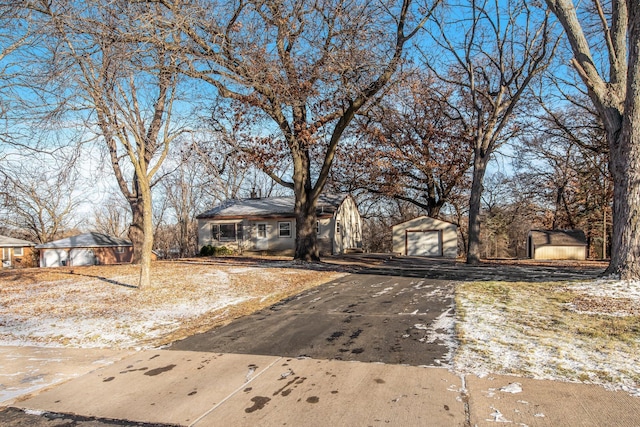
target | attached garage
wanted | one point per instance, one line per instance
(54, 257)
(424, 236)
(85, 249)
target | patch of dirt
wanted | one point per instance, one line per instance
(606, 305)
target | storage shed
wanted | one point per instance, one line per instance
(425, 236)
(557, 245)
(85, 249)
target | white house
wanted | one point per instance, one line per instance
(425, 236)
(269, 225)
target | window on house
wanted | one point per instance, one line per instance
(338, 226)
(225, 232)
(262, 231)
(17, 252)
(120, 250)
(284, 229)
(317, 227)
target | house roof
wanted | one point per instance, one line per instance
(86, 240)
(558, 238)
(422, 219)
(10, 242)
(269, 207)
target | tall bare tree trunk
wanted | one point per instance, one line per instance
(147, 241)
(307, 240)
(136, 228)
(306, 197)
(615, 91)
(625, 167)
(475, 201)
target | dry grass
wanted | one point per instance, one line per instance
(549, 330)
(100, 306)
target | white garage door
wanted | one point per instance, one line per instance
(424, 243)
(82, 257)
(54, 257)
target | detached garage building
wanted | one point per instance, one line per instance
(85, 249)
(557, 245)
(425, 236)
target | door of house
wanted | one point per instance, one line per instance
(262, 237)
(6, 257)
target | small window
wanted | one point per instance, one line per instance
(262, 231)
(338, 226)
(17, 252)
(120, 249)
(284, 229)
(317, 227)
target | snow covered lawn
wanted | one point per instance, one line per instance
(583, 332)
(100, 307)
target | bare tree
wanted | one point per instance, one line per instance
(128, 88)
(612, 30)
(408, 147)
(38, 198)
(492, 53)
(113, 216)
(185, 193)
(308, 67)
(563, 165)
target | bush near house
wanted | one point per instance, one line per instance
(210, 250)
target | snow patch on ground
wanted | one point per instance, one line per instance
(493, 342)
(97, 307)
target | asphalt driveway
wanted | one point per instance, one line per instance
(363, 317)
(400, 311)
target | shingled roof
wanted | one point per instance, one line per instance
(10, 242)
(558, 238)
(269, 207)
(86, 240)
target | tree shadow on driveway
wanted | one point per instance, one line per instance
(499, 270)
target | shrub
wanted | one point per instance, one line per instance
(210, 250)
(207, 250)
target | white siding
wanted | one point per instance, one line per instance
(349, 236)
(561, 252)
(437, 238)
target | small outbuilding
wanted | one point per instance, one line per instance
(425, 236)
(85, 249)
(557, 245)
(16, 252)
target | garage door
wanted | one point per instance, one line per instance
(424, 243)
(82, 257)
(54, 257)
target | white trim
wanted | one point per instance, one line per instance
(280, 230)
